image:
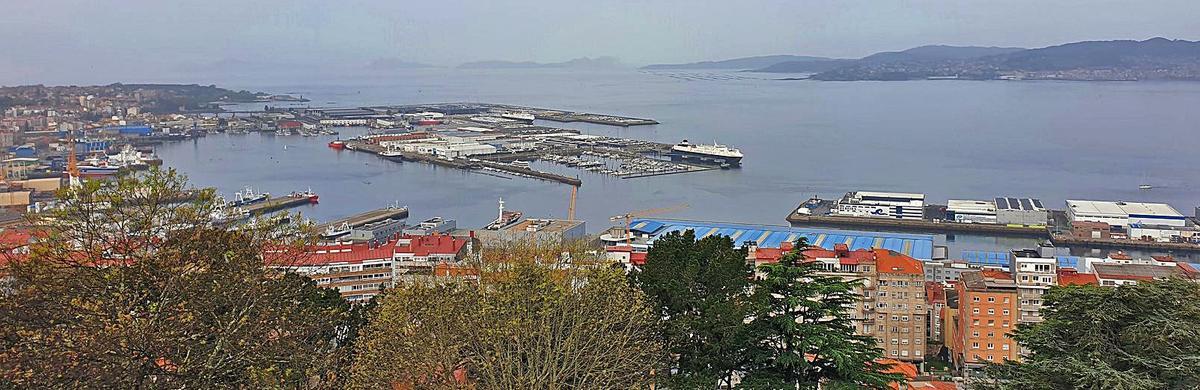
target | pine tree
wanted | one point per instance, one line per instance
(804, 335)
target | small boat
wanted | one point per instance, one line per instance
(337, 144)
(309, 194)
(1145, 187)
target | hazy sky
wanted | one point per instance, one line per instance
(51, 41)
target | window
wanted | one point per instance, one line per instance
(1004, 347)
(991, 312)
(895, 341)
(1005, 299)
(991, 299)
(904, 318)
(1005, 311)
(917, 353)
(975, 345)
(895, 317)
(894, 352)
(975, 322)
(904, 353)
(991, 346)
(990, 358)
(975, 311)
(991, 334)
(904, 341)
(991, 322)
(975, 334)
(975, 299)
(1005, 324)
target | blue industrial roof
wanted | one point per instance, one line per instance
(918, 246)
(985, 258)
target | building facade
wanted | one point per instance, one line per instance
(881, 205)
(987, 313)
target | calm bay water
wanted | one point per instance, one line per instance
(947, 139)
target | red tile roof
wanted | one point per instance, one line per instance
(935, 293)
(637, 258)
(421, 246)
(995, 274)
(1071, 277)
(887, 261)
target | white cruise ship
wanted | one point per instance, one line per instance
(711, 154)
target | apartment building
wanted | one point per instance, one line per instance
(1034, 274)
(988, 311)
(893, 309)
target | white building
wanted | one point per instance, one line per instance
(1034, 273)
(881, 205)
(344, 122)
(971, 211)
(1124, 214)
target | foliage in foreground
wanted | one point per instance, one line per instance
(529, 322)
(727, 327)
(130, 286)
(1143, 336)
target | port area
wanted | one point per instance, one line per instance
(820, 216)
(357, 220)
(276, 204)
(503, 140)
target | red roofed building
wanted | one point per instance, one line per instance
(361, 271)
(1071, 277)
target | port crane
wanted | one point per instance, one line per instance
(628, 218)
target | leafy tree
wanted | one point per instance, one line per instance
(129, 285)
(1143, 336)
(530, 321)
(699, 288)
(804, 335)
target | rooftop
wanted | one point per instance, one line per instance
(542, 225)
(918, 246)
(988, 280)
(1029, 204)
(1123, 208)
(1136, 271)
(1071, 277)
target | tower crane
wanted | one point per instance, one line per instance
(628, 218)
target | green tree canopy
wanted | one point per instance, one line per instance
(700, 289)
(1143, 336)
(803, 332)
(531, 321)
(129, 285)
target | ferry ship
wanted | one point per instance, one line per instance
(708, 154)
(518, 116)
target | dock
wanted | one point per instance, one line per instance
(276, 204)
(1066, 240)
(916, 225)
(468, 164)
(367, 217)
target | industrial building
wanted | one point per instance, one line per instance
(881, 205)
(1124, 214)
(971, 211)
(1021, 211)
(918, 246)
(554, 231)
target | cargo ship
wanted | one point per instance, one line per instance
(717, 154)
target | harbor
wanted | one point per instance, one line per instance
(503, 139)
(358, 220)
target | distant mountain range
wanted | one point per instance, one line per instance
(578, 63)
(745, 63)
(1151, 59)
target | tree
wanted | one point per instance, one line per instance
(129, 285)
(1143, 336)
(804, 335)
(537, 317)
(699, 289)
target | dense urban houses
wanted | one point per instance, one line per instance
(361, 271)
(987, 312)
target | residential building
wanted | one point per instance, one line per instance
(534, 229)
(1034, 275)
(1115, 274)
(935, 303)
(881, 205)
(987, 314)
(360, 271)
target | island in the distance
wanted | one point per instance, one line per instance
(1122, 60)
(151, 98)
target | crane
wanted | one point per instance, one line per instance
(628, 218)
(72, 162)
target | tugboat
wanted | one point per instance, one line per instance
(337, 144)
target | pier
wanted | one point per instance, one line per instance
(1066, 240)
(276, 204)
(367, 217)
(916, 225)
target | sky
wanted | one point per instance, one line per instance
(54, 41)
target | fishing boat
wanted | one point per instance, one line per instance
(337, 144)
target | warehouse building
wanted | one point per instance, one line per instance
(1021, 211)
(971, 211)
(1124, 214)
(881, 205)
